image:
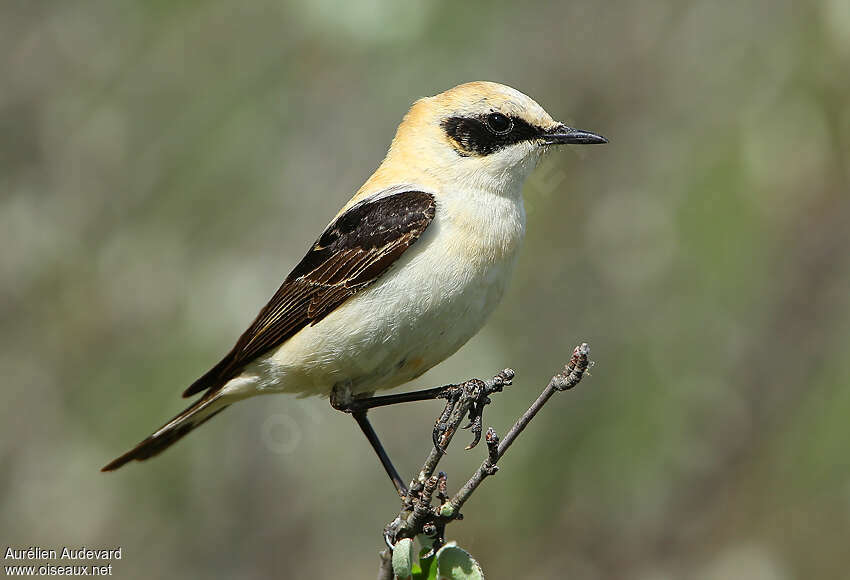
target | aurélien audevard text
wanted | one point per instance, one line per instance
(61, 561)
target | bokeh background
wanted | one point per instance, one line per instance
(163, 165)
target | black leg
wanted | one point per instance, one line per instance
(369, 432)
(468, 397)
(354, 405)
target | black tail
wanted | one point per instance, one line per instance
(196, 414)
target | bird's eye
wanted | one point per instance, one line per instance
(499, 123)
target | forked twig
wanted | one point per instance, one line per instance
(468, 399)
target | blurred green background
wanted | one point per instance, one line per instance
(163, 165)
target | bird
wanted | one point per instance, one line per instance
(404, 275)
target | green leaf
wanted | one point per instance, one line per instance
(454, 563)
(403, 558)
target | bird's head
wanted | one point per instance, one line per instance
(480, 134)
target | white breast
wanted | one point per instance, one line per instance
(431, 301)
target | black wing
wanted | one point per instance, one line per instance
(353, 252)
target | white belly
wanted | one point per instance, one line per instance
(432, 300)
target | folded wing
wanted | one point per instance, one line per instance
(354, 251)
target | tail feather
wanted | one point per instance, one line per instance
(212, 379)
(196, 414)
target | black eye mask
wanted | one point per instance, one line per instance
(486, 134)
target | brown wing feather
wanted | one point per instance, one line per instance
(354, 251)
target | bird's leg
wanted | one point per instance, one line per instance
(469, 397)
(342, 399)
(353, 404)
(369, 432)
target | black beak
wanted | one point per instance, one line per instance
(563, 135)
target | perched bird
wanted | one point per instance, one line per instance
(404, 275)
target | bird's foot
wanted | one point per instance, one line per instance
(468, 398)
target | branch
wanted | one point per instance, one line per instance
(459, 405)
(468, 399)
(572, 375)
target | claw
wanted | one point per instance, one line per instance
(437, 434)
(476, 432)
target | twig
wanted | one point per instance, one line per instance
(418, 516)
(566, 380)
(473, 389)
